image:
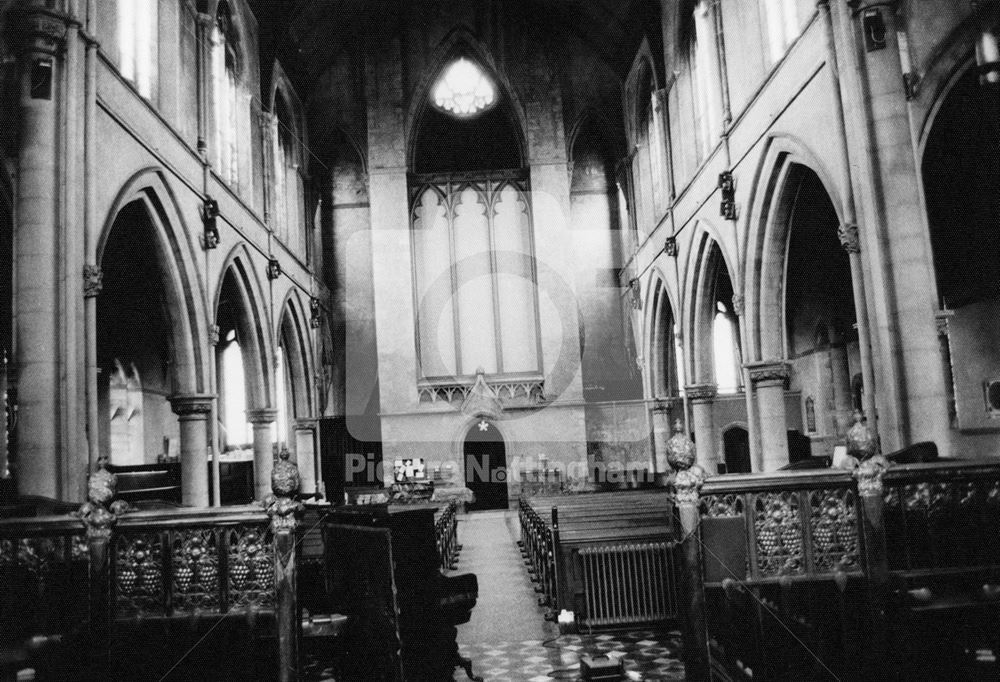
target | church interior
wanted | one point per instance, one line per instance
(500, 339)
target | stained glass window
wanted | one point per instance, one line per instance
(463, 89)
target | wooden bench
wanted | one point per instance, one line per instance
(606, 557)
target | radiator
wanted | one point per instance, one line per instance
(628, 584)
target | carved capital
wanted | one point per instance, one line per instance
(701, 393)
(869, 475)
(769, 373)
(848, 234)
(93, 280)
(738, 305)
(42, 30)
(687, 485)
(194, 406)
(213, 335)
(262, 416)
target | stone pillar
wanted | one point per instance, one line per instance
(305, 452)
(661, 434)
(840, 386)
(913, 400)
(263, 449)
(193, 412)
(687, 489)
(37, 305)
(769, 378)
(848, 235)
(702, 397)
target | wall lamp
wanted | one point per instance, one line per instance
(987, 49)
(273, 268)
(727, 186)
(209, 212)
(314, 312)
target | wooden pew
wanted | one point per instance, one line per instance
(606, 557)
(827, 575)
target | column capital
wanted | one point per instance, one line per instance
(93, 277)
(42, 30)
(701, 393)
(769, 372)
(738, 303)
(848, 235)
(192, 406)
(665, 404)
(306, 423)
(213, 335)
(262, 416)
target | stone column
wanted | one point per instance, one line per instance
(193, 411)
(848, 235)
(687, 489)
(702, 397)
(769, 378)
(37, 305)
(305, 451)
(263, 449)
(661, 434)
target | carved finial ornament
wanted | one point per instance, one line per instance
(680, 448)
(862, 442)
(93, 277)
(99, 514)
(848, 234)
(687, 485)
(281, 504)
(869, 475)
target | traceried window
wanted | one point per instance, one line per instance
(237, 431)
(475, 281)
(137, 43)
(288, 218)
(463, 89)
(782, 20)
(226, 97)
(704, 76)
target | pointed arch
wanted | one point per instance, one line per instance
(707, 262)
(782, 165)
(461, 41)
(661, 324)
(252, 323)
(182, 285)
(293, 335)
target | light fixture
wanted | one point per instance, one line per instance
(987, 49)
(273, 268)
(314, 313)
(670, 247)
(209, 212)
(727, 186)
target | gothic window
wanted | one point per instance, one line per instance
(280, 433)
(474, 278)
(287, 182)
(782, 20)
(226, 97)
(237, 431)
(137, 43)
(652, 143)
(463, 89)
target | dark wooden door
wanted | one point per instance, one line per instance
(486, 466)
(736, 443)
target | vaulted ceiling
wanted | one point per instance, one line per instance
(306, 34)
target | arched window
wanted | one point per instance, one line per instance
(137, 43)
(280, 433)
(288, 217)
(237, 431)
(704, 77)
(226, 96)
(725, 350)
(782, 20)
(652, 143)
(474, 270)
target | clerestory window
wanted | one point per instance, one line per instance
(782, 19)
(137, 43)
(463, 89)
(226, 97)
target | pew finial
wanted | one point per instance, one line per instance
(687, 485)
(869, 475)
(99, 513)
(680, 448)
(281, 504)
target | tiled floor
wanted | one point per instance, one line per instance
(508, 639)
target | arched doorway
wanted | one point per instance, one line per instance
(485, 455)
(736, 448)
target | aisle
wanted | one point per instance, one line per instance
(507, 609)
(508, 639)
